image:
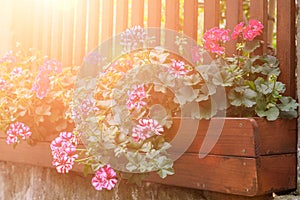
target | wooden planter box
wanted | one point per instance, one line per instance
(252, 157)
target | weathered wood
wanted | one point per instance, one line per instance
(276, 137)
(211, 14)
(80, 32)
(231, 174)
(234, 15)
(107, 19)
(190, 23)
(154, 18)
(277, 172)
(172, 23)
(122, 16)
(57, 27)
(286, 43)
(93, 28)
(67, 39)
(259, 11)
(137, 13)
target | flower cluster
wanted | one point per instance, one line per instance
(16, 132)
(105, 178)
(214, 40)
(136, 98)
(35, 91)
(249, 32)
(64, 151)
(178, 69)
(145, 129)
(42, 83)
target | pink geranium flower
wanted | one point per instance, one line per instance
(136, 98)
(145, 129)
(214, 40)
(16, 132)
(178, 69)
(62, 161)
(238, 29)
(64, 151)
(105, 178)
(253, 30)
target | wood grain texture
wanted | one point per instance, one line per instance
(137, 13)
(286, 44)
(190, 22)
(259, 11)
(211, 14)
(248, 174)
(234, 15)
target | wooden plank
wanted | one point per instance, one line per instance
(137, 13)
(190, 23)
(93, 25)
(234, 15)
(154, 13)
(277, 173)
(154, 18)
(57, 27)
(236, 137)
(276, 137)
(107, 19)
(37, 24)
(122, 16)
(286, 43)
(211, 14)
(80, 32)
(45, 28)
(234, 175)
(172, 14)
(206, 173)
(67, 36)
(172, 23)
(259, 11)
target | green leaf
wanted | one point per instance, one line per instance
(272, 114)
(251, 46)
(163, 173)
(288, 104)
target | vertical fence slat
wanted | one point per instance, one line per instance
(67, 34)
(211, 13)
(172, 21)
(80, 32)
(286, 43)
(172, 14)
(234, 15)
(56, 44)
(37, 24)
(93, 24)
(137, 16)
(5, 21)
(122, 16)
(154, 17)
(154, 13)
(190, 23)
(22, 23)
(107, 19)
(259, 11)
(45, 29)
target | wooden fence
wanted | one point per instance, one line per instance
(68, 29)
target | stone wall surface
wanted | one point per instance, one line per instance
(26, 182)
